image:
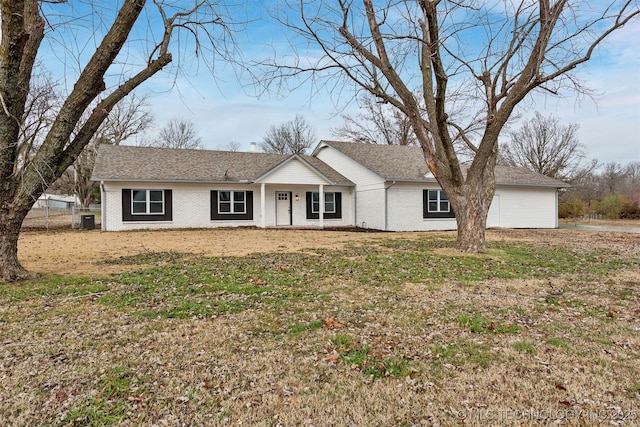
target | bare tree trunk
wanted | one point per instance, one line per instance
(471, 217)
(10, 223)
(471, 199)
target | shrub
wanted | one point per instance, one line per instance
(613, 205)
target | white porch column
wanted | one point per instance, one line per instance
(321, 207)
(263, 205)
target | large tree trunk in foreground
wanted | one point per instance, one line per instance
(471, 217)
(10, 224)
(23, 181)
(470, 196)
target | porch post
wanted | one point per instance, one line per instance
(321, 207)
(263, 205)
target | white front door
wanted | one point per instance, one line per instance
(283, 208)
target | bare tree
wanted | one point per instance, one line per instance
(377, 123)
(631, 184)
(478, 58)
(178, 133)
(104, 78)
(611, 177)
(544, 145)
(233, 146)
(127, 119)
(292, 137)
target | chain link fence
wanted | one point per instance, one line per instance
(46, 218)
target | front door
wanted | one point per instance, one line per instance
(283, 208)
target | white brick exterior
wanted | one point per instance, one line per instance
(373, 202)
(192, 206)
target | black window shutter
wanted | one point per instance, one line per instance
(310, 213)
(214, 204)
(327, 215)
(338, 213)
(217, 216)
(127, 216)
(126, 205)
(168, 205)
(425, 208)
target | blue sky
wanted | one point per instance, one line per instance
(225, 109)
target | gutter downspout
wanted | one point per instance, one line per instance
(321, 207)
(386, 205)
(103, 207)
(263, 205)
(557, 194)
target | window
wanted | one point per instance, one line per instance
(232, 202)
(438, 201)
(231, 205)
(436, 205)
(147, 202)
(329, 203)
(332, 205)
(146, 205)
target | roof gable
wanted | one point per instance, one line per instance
(292, 168)
(127, 163)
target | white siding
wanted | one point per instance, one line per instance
(528, 207)
(369, 187)
(354, 171)
(294, 172)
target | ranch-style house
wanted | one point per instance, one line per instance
(341, 184)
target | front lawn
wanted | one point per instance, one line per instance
(387, 332)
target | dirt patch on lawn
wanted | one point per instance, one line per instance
(78, 252)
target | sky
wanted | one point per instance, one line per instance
(225, 110)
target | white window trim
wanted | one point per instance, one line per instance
(147, 202)
(314, 203)
(232, 201)
(438, 210)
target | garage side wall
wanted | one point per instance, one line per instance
(513, 207)
(528, 207)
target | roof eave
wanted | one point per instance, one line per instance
(173, 181)
(432, 180)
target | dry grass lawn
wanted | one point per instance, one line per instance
(319, 328)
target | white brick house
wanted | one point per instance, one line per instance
(151, 188)
(341, 184)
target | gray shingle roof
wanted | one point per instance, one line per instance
(127, 163)
(403, 163)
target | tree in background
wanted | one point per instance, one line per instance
(38, 116)
(376, 123)
(544, 145)
(103, 77)
(178, 133)
(292, 137)
(471, 64)
(127, 119)
(612, 191)
(233, 146)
